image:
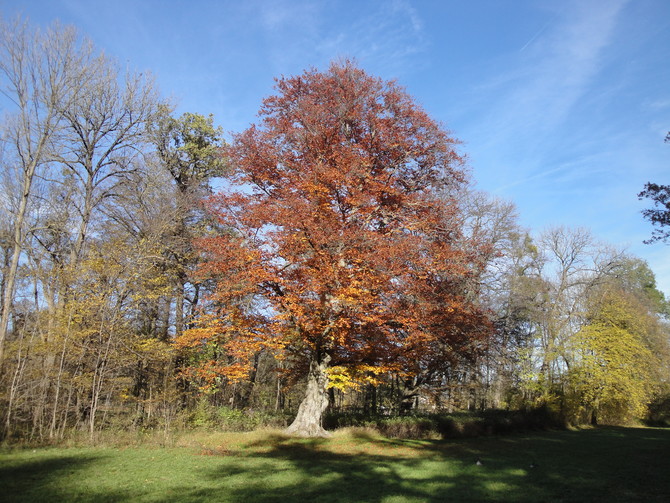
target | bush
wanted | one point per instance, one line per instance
(209, 417)
(442, 425)
(659, 412)
(408, 427)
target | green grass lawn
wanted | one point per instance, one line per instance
(607, 464)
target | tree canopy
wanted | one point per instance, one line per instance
(344, 248)
(346, 262)
(659, 215)
(612, 374)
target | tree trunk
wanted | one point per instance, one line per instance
(310, 413)
(408, 397)
(179, 305)
(9, 279)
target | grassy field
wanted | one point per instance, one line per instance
(607, 464)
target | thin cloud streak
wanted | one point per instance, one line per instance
(387, 39)
(532, 39)
(538, 96)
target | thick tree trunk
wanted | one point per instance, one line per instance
(310, 413)
(408, 397)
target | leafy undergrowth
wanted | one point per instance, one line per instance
(449, 425)
(606, 464)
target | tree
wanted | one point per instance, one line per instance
(73, 279)
(41, 74)
(104, 131)
(344, 251)
(539, 302)
(659, 215)
(189, 149)
(636, 278)
(612, 377)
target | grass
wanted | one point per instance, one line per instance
(606, 464)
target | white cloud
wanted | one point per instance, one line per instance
(294, 16)
(565, 63)
(659, 104)
(556, 68)
(386, 39)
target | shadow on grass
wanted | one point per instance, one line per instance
(612, 464)
(606, 464)
(52, 479)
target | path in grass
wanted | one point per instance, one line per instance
(613, 464)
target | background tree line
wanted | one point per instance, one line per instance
(104, 233)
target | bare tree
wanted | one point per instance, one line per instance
(41, 73)
(105, 130)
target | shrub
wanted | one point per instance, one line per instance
(454, 425)
(659, 412)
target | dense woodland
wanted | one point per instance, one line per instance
(333, 257)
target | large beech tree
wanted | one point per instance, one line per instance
(344, 250)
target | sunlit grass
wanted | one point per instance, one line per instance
(357, 465)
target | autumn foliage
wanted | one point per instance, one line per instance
(343, 247)
(347, 260)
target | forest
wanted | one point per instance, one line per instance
(331, 261)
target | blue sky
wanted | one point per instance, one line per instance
(562, 106)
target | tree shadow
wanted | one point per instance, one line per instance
(556, 467)
(315, 473)
(51, 479)
(599, 465)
